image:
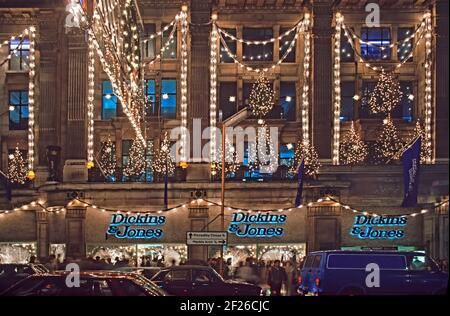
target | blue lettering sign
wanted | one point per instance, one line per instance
(365, 227)
(127, 226)
(248, 225)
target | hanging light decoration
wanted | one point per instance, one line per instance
(388, 145)
(337, 87)
(425, 149)
(184, 88)
(108, 160)
(213, 95)
(261, 99)
(164, 162)
(90, 103)
(136, 163)
(17, 169)
(31, 102)
(309, 154)
(352, 150)
(386, 94)
(306, 80)
(428, 85)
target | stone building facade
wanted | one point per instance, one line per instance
(61, 94)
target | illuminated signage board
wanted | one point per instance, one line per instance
(257, 225)
(136, 226)
(379, 227)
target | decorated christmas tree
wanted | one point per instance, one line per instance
(388, 147)
(232, 163)
(136, 163)
(352, 150)
(304, 150)
(164, 162)
(108, 161)
(17, 169)
(425, 149)
(261, 99)
(386, 94)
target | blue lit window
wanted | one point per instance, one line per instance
(109, 101)
(231, 44)
(347, 52)
(168, 98)
(149, 46)
(288, 100)
(379, 36)
(347, 94)
(405, 47)
(150, 96)
(285, 44)
(258, 52)
(18, 117)
(20, 54)
(227, 99)
(171, 51)
(287, 155)
(404, 109)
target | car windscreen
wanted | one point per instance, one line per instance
(360, 261)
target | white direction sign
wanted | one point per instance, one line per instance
(206, 238)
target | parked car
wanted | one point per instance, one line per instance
(92, 283)
(344, 273)
(148, 272)
(191, 280)
(13, 273)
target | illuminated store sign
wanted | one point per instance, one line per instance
(257, 225)
(378, 227)
(134, 226)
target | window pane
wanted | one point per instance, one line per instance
(347, 93)
(171, 51)
(109, 101)
(285, 44)
(405, 47)
(231, 44)
(227, 100)
(286, 155)
(18, 118)
(380, 38)
(149, 47)
(347, 52)
(169, 98)
(404, 109)
(258, 52)
(150, 91)
(169, 86)
(287, 100)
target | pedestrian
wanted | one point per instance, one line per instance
(291, 278)
(277, 276)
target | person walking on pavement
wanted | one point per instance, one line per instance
(277, 276)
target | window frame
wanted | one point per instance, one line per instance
(113, 98)
(19, 54)
(174, 94)
(23, 120)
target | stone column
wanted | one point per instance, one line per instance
(322, 66)
(199, 219)
(441, 80)
(75, 232)
(323, 228)
(42, 232)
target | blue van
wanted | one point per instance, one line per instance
(338, 272)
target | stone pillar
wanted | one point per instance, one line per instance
(323, 228)
(42, 232)
(199, 219)
(441, 80)
(75, 233)
(322, 66)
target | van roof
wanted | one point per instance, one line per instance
(368, 251)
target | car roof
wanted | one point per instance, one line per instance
(186, 267)
(93, 274)
(368, 251)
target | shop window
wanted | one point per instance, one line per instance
(150, 45)
(109, 101)
(231, 44)
(347, 95)
(380, 38)
(347, 52)
(20, 54)
(258, 52)
(288, 100)
(227, 100)
(404, 47)
(17, 252)
(150, 97)
(404, 110)
(285, 43)
(168, 98)
(18, 114)
(171, 51)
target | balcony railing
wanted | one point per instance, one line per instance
(95, 175)
(243, 174)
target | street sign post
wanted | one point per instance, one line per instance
(206, 238)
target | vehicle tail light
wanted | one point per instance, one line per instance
(317, 281)
(300, 280)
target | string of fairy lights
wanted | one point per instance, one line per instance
(213, 92)
(165, 46)
(184, 86)
(306, 81)
(90, 102)
(337, 87)
(31, 102)
(324, 201)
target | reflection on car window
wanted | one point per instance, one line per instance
(178, 275)
(124, 287)
(418, 263)
(202, 276)
(27, 287)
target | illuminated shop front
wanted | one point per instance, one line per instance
(19, 252)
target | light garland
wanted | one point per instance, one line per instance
(425, 148)
(164, 29)
(261, 99)
(13, 37)
(164, 46)
(31, 89)
(337, 88)
(164, 162)
(352, 150)
(90, 103)
(307, 152)
(428, 85)
(306, 81)
(213, 95)
(386, 95)
(184, 88)
(14, 51)
(17, 170)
